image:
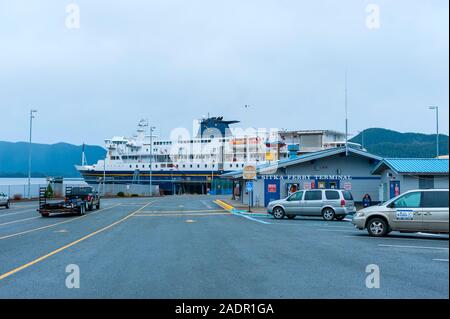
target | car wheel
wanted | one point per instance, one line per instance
(91, 207)
(278, 213)
(290, 216)
(328, 214)
(98, 206)
(44, 214)
(377, 227)
(340, 217)
(7, 205)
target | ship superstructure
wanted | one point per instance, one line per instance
(185, 164)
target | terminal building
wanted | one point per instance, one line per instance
(342, 168)
(399, 175)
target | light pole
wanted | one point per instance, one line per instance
(104, 176)
(29, 152)
(212, 177)
(152, 128)
(436, 108)
(346, 115)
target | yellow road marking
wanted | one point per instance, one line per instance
(19, 220)
(224, 205)
(56, 224)
(181, 215)
(31, 263)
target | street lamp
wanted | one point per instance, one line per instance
(436, 108)
(29, 152)
(152, 128)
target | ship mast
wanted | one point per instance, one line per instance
(83, 156)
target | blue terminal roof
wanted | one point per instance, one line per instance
(413, 166)
(303, 158)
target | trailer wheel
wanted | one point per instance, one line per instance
(82, 209)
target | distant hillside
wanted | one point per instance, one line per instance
(48, 160)
(388, 143)
(59, 159)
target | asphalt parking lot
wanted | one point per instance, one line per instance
(189, 247)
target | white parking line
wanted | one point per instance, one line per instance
(21, 212)
(251, 218)
(19, 220)
(206, 204)
(438, 259)
(418, 247)
(56, 224)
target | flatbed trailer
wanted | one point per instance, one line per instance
(65, 206)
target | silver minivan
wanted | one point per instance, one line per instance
(328, 203)
(413, 211)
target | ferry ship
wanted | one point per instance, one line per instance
(182, 164)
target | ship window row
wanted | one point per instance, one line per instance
(180, 166)
(162, 143)
(194, 141)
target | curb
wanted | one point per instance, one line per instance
(233, 210)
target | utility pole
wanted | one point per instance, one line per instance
(29, 152)
(436, 108)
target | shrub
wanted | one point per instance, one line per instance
(120, 194)
(17, 196)
(134, 195)
(49, 191)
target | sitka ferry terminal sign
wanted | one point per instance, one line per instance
(306, 177)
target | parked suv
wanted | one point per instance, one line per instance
(4, 200)
(328, 203)
(413, 211)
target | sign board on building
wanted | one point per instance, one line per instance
(348, 186)
(249, 172)
(272, 188)
(307, 177)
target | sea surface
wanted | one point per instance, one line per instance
(19, 186)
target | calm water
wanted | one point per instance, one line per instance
(19, 186)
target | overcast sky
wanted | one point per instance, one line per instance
(175, 60)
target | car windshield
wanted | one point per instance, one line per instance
(389, 201)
